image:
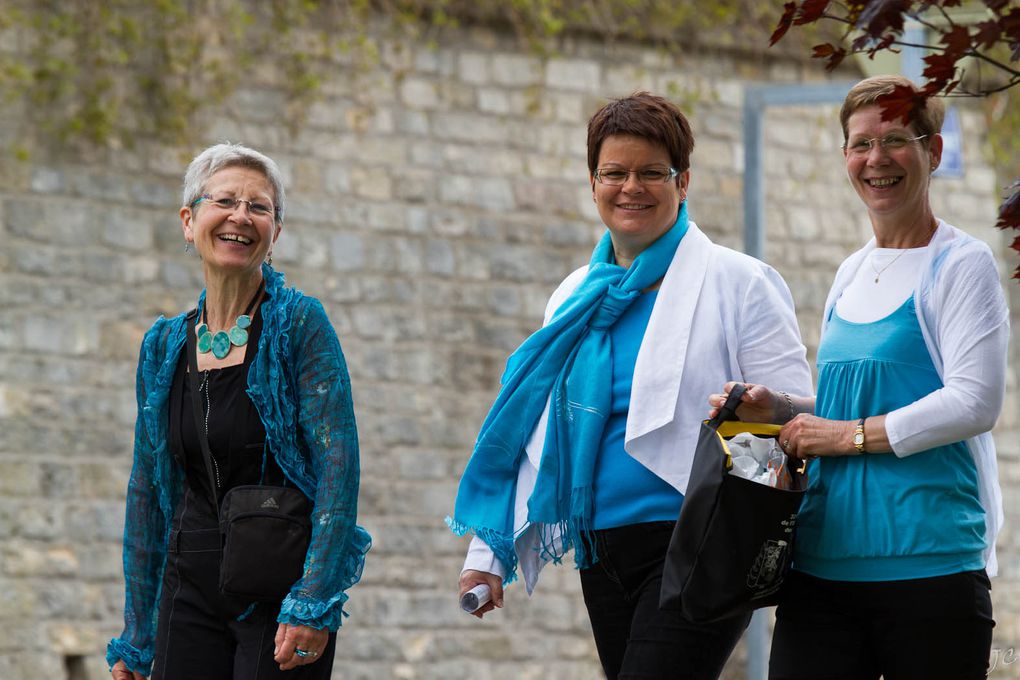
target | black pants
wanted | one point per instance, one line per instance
(198, 635)
(922, 629)
(634, 638)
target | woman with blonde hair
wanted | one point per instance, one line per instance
(896, 536)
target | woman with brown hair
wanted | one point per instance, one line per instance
(589, 444)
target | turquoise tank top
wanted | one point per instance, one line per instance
(879, 517)
(626, 492)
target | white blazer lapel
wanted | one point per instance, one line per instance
(663, 352)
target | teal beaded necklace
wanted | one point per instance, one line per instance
(222, 342)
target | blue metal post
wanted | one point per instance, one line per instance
(757, 98)
(912, 58)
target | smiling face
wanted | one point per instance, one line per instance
(231, 240)
(635, 213)
(893, 183)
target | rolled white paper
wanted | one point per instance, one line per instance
(475, 598)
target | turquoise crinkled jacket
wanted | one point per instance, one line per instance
(299, 384)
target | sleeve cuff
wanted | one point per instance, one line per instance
(895, 436)
(136, 660)
(320, 615)
(480, 557)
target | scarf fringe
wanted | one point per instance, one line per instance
(557, 539)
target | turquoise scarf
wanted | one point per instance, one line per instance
(571, 361)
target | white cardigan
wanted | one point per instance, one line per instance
(965, 324)
(719, 315)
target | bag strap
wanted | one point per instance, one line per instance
(728, 411)
(196, 406)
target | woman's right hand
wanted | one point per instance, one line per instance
(471, 578)
(120, 672)
(759, 404)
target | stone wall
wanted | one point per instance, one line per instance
(434, 203)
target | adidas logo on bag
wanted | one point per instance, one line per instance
(270, 503)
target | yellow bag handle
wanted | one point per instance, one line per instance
(731, 428)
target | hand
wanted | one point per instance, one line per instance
(120, 672)
(290, 638)
(471, 578)
(757, 405)
(808, 437)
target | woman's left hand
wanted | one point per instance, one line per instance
(808, 436)
(291, 639)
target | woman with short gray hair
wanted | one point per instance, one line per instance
(247, 391)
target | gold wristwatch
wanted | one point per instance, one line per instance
(859, 436)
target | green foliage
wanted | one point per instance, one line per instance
(107, 73)
(1004, 132)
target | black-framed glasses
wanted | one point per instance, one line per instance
(890, 142)
(230, 203)
(616, 176)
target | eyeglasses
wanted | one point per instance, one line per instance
(891, 142)
(230, 203)
(616, 176)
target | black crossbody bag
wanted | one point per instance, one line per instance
(265, 529)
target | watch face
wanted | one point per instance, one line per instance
(858, 438)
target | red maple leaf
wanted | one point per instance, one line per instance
(785, 21)
(835, 59)
(884, 44)
(988, 33)
(883, 15)
(941, 67)
(822, 51)
(810, 11)
(901, 104)
(956, 40)
(1010, 24)
(1009, 211)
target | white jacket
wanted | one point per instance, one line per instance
(720, 315)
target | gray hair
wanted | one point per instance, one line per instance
(227, 155)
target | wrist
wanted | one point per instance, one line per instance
(783, 411)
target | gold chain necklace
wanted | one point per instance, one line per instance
(879, 272)
(927, 239)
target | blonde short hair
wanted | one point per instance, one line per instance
(926, 121)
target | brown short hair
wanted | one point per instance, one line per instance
(927, 120)
(647, 116)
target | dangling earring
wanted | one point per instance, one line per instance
(269, 258)
(187, 247)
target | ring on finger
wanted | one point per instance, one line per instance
(786, 443)
(304, 654)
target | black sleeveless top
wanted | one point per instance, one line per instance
(235, 430)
